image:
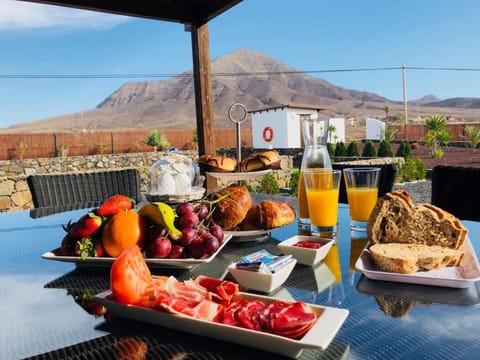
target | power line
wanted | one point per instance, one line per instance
(224, 74)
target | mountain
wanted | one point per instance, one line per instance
(249, 77)
(458, 102)
(427, 99)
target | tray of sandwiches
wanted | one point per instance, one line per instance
(417, 244)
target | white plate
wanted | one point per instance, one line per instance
(319, 336)
(195, 194)
(249, 235)
(153, 263)
(461, 276)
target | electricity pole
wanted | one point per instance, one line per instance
(405, 110)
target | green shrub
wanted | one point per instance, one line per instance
(268, 185)
(369, 149)
(385, 150)
(157, 140)
(412, 169)
(404, 150)
(473, 134)
(340, 149)
(247, 185)
(352, 149)
(331, 149)
(293, 182)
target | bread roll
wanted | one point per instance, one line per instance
(410, 258)
(217, 163)
(395, 219)
(268, 214)
(232, 209)
(269, 159)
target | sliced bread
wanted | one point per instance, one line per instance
(410, 258)
(395, 219)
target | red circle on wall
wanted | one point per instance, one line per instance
(267, 134)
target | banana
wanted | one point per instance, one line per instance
(163, 215)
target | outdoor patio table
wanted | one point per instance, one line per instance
(39, 317)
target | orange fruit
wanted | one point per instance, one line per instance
(122, 231)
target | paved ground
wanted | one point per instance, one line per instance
(421, 191)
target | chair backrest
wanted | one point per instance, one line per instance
(456, 189)
(91, 187)
(385, 182)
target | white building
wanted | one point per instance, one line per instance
(280, 126)
(375, 129)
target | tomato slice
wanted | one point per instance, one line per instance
(130, 276)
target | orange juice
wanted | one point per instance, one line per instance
(361, 201)
(302, 198)
(323, 206)
(356, 248)
(332, 260)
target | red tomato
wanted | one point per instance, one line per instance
(130, 276)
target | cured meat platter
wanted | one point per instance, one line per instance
(320, 335)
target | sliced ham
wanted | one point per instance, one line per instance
(225, 289)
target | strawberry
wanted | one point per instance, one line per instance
(87, 247)
(85, 226)
(115, 204)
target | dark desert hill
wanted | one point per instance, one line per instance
(250, 77)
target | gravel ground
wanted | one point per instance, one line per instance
(420, 191)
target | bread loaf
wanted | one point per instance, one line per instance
(395, 219)
(217, 163)
(410, 258)
(269, 159)
(268, 214)
(230, 211)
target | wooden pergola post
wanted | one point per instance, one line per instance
(203, 89)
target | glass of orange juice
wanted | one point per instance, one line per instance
(321, 187)
(362, 193)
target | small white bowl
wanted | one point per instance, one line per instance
(259, 281)
(306, 256)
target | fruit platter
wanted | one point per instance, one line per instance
(178, 237)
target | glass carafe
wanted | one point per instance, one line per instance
(315, 155)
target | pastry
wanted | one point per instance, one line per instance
(268, 214)
(217, 163)
(233, 206)
(269, 159)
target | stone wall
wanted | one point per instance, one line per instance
(15, 194)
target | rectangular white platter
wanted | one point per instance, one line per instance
(329, 321)
(462, 276)
(186, 263)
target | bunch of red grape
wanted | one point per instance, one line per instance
(200, 238)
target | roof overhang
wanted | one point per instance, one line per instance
(181, 11)
(290, 106)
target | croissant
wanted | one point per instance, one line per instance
(231, 211)
(269, 159)
(268, 214)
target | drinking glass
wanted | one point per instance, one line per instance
(362, 193)
(322, 187)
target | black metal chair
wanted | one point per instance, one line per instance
(386, 181)
(91, 188)
(456, 189)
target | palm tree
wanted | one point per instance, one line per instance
(436, 132)
(387, 110)
(331, 131)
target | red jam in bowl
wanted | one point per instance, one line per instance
(309, 244)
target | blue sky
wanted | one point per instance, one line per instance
(308, 35)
